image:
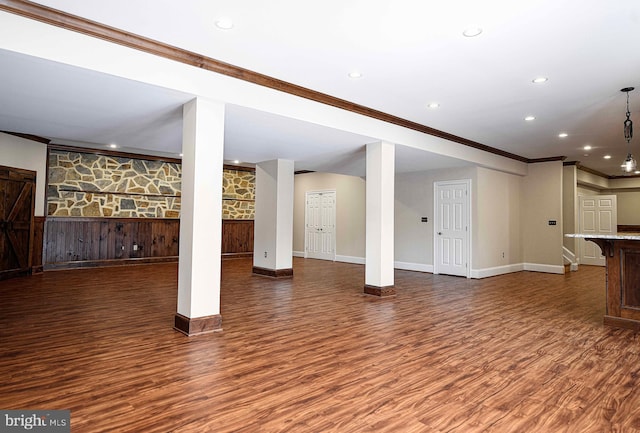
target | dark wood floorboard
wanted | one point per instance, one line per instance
(524, 352)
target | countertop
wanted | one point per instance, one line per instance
(613, 236)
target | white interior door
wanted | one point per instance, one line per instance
(598, 215)
(320, 225)
(452, 228)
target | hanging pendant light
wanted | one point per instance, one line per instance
(629, 165)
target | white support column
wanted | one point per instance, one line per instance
(201, 218)
(379, 278)
(273, 223)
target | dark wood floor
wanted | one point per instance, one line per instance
(525, 352)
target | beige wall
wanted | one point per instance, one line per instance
(497, 224)
(627, 191)
(350, 211)
(628, 207)
(29, 155)
(542, 201)
(495, 217)
(585, 190)
(591, 180)
(413, 200)
(569, 205)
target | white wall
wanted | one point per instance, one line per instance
(273, 235)
(350, 212)
(29, 155)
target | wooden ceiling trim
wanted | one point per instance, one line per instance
(592, 171)
(28, 137)
(548, 159)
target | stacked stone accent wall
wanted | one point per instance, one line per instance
(91, 185)
(238, 194)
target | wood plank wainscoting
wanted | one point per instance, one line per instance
(522, 352)
(73, 242)
(237, 238)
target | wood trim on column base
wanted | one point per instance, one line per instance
(380, 291)
(273, 273)
(621, 322)
(197, 325)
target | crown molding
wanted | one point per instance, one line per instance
(548, 159)
(28, 137)
(591, 170)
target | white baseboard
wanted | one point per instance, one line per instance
(420, 267)
(550, 269)
(475, 273)
(344, 259)
(350, 259)
(497, 270)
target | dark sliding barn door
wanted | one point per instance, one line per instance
(17, 190)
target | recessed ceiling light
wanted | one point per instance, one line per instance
(224, 23)
(472, 32)
(113, 146)
(355, 74)
(433, 105)
(530, 118)
(539, 80)
(587, 147)
(636, 172)
(180, 155)
(235, 161)
(607, 157)
(563, 135)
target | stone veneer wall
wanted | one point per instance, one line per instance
(92, 185)
(238, 194)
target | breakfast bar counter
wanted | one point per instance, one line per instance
(622, 253)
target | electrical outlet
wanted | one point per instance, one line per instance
(135, 247)
(265, 254)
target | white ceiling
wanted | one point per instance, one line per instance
(410, 53)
